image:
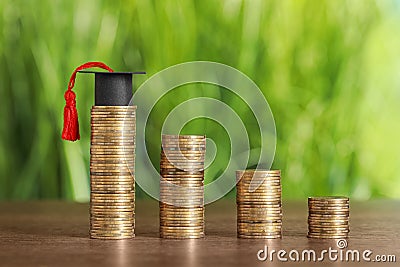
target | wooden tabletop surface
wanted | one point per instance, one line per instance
(56, 234)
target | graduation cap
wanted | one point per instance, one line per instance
(111, 89)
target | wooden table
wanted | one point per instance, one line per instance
(56, 234)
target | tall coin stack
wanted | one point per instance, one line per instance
(182, 186)
(112, 183)
(328, 217)
(259, 204)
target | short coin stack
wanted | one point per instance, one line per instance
(182, 186)
(259, 204)
(328, 217)
(112, 156)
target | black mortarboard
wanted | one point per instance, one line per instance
(113, 88)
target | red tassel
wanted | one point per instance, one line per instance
(71, 126)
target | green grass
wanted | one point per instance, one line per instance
(329, 69)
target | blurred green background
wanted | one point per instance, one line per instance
(330, 71)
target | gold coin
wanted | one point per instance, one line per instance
(183, 166)
(182, 153)
(112, 223)
(185, 187)
(114, 196)
(260, 212)
(114, 134)
(265, 181)
(129, 206)
(181, 192)
(125, 199)
(195, 221)
(259, 237)
(129, 179)
(329, 199)
(172, 160)
(172, 179)
(329, 211)
(260, 226)
(112, 166)
(100, 116)
(114, 107)
(328, 231)
(183, 216)
(185, 198)
(119, 147)
(175, 136)
(259, 219)
(111, 186)
(260, 205)
(103, 138)
(97, 168)
(167, 147)
(168, 223)
(191, 213)
(258, 173)
(114, 130)
(113, 123)
(112, 190)
(184, 203)
(112, 160)
(193, 209)
(111, 172)
(96, 208)
(186, 229)
(195, 174)
(117, 237)
(274, 193)
(180, 236)
(103, 116)
(108, 189)
(106, 228)
(181, 229)
(176, 153)
(183, 138)
(176, 184)
(262, 177)
(111, 231)
(257, 200)
(124, 148)
(112, 111)
(329, 222)
(341, 213)
(114, 178)
(344, 236)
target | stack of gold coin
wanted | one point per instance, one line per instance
(182, 186)
(328, 217)
(259, 204)
(112, 183)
